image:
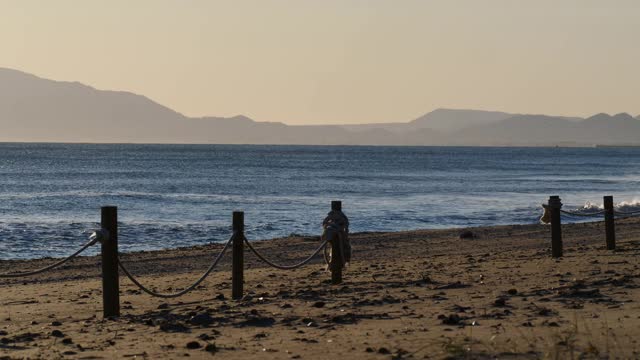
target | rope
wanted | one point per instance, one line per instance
(545, 219)
(338, 223)
(327, 256)
(344, 246)
(92, 241)
(336, 217)
(594, 214)
(625, 213)
(286, 267)
(179, 293)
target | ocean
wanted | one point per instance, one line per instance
(178, 195)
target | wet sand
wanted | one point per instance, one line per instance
(415, 294)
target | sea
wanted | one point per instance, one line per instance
(171, 196)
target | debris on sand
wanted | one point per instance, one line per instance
(468, 235)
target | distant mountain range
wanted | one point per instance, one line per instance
(33, 109)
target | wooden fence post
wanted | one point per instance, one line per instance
(110, 275)
(555, 204)
(609, 223)
(237, 271)
(336, 251)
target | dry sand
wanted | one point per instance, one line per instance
(415, 294)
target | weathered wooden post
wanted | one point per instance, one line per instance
(609, 223)
(336, 251)
(110, 275)
(237, 270)
(555, 204)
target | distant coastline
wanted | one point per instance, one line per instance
(617, 146)
(33, 109)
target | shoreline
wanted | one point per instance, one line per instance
(412, 294)
(82, 261)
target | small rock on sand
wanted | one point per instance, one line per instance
(201, 320)
(500, 302)
(212, 348)
(193, 345)
(467, 235)
(319, 304)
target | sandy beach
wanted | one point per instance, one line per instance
(416, 294)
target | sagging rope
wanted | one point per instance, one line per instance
(627, 213)
(186, 290)
(286, 267)
(546, 216)
(592, 214)
(93, 239)
(336, 222)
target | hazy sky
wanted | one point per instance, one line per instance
(337, 61)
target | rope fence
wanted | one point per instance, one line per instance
(335, 247)
(553, 215)
(92, 241)
(335, 233)
(336, 224)
(187, 289)
(287, 267)
(590, 214)
(336, 229)
(599, 213)
(627, 213)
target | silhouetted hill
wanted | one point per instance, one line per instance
(441, 120)
(528, 130)
(449, 120)
(33, 109)
(541, 130)
(606, 129)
